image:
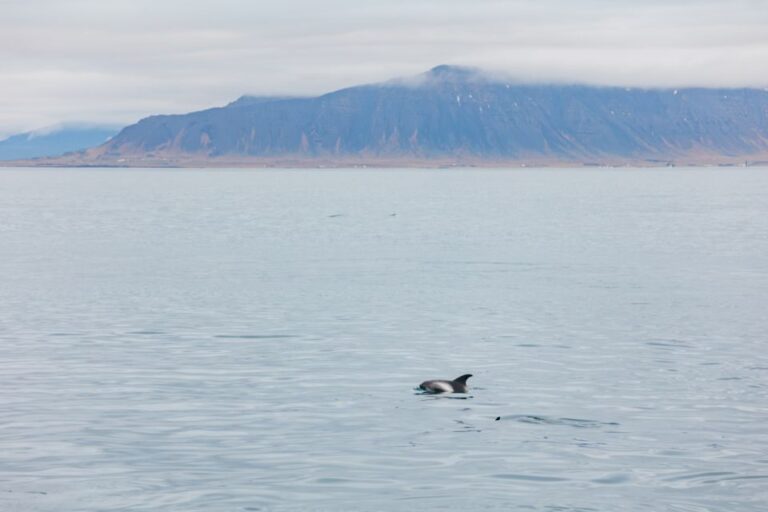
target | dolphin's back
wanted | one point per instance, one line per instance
(437, 386)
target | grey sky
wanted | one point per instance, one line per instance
(120, 60)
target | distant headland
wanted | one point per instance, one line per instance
(451, 116)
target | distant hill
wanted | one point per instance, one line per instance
(54, 141)
(456, 115)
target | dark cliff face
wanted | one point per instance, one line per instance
(455, 112)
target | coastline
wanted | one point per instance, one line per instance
(197, 161)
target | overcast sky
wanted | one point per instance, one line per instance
(119, 60)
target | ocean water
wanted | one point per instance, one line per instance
(235, 340)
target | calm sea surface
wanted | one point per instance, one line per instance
(221, 340)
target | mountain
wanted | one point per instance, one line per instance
(54, 141)
(455, 115)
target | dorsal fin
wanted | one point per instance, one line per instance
(463, 378)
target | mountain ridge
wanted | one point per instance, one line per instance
(454, 115)
(55, 140)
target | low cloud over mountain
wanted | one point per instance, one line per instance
(460, 115)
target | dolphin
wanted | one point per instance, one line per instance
(457, 385)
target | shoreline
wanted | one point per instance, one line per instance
(386, 163)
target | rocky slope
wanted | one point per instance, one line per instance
(455, 114)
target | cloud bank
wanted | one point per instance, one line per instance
(115, 61)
